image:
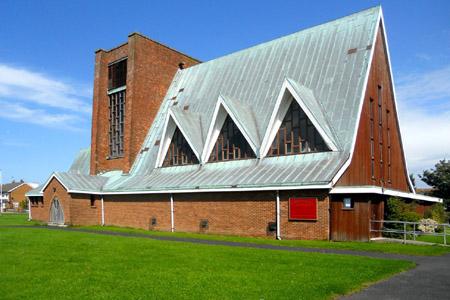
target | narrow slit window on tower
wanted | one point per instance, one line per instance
(296, 134)
(388, 128)
(231, 144)
(179, 152)
(117, 73)
(372, 143)
(380, 130)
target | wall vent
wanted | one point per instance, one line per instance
(351, 51)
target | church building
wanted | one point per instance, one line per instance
(295, 138)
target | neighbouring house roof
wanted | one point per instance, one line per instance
(314, 65)
(6, 187)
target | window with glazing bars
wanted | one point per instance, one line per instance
(231, 144)
(116, 123)
(117, 74)
(179, 152)
(297, 134)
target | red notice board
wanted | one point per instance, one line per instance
(303, 209)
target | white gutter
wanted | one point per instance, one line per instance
(278, 216)
(229, 189)
(103, 212)
(172, 221)
(383, 191)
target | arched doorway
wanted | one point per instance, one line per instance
(56, 213)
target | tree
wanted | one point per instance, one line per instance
(413, 180)
(439, 179)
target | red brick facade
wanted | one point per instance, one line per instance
(245, 213)
(150, 70)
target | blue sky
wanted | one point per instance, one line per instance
(47, 64)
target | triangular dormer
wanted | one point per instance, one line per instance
(179, 152)
(176, 146)
(229, 137)
(297, 125)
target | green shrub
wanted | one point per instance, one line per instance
(23, 204)
(438, 214)
(399, 210)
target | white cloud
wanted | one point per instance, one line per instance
(40, 89)
(31, 97)
(18, 112)
(424, 112)
(424, 88)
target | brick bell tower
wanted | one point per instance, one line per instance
(130, 83)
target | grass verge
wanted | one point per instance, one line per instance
(49, 264)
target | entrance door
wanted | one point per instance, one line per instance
(350, 218)
(56, 213)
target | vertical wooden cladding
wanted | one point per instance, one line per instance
(389, 169)
(354, 224)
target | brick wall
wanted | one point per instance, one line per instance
(150, 70)
(54, 189)
(246, 213)
(18, 195)
(305, 230)
(81, 211)
(137, 210)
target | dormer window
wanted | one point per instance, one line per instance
(230, 144)
(296, 134)
(179, 152)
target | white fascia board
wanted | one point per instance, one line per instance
(50, 179)
(273, 127)
(361, 103)
(162, 143)
(238, 124)
(209, 137)
(411, 186)
(237, 189)
(382, 191)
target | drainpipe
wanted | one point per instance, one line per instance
(172, 221)
(278, 217)
(29, 209)
(103, 212)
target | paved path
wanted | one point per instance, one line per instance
(429, 280)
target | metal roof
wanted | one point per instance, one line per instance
(81, 164)
(316, 63)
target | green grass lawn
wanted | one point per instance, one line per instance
(357, 246)
(38, 263)
(433, 239)
(16, 219)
